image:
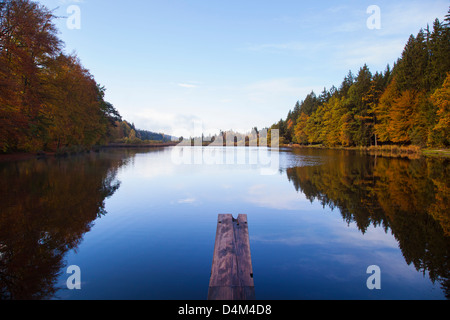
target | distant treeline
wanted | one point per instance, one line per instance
(126, 132)
(408, 105)
(48, 100)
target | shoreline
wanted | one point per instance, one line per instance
(21, 156)
(395, 152)
(138, 145)
(388, 151)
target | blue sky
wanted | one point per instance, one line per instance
(231, 64)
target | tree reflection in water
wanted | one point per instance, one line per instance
(408, 197)
(46, 208)
(48, 205)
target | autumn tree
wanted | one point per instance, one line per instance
(440, 135)
(300, 129)
(405, 105)
(48, 99)
(28, 42)
(383, 111)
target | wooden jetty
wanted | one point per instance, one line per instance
(232, 272)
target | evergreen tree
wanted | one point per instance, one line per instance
(402, 105)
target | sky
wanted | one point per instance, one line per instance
(170, 65)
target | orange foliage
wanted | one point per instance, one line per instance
(441, 99)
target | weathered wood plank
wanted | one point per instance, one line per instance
(244, 259)
(231, 272)
(231, 293)
(224, 268)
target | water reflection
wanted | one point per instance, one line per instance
(49, 206)
(46, 208)
(408, 197)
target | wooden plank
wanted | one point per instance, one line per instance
(244, 259)
(232, 272)
(231, 293)
(224, 267)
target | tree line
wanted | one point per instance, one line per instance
(125, 132)
(406, 105)
(48, 100)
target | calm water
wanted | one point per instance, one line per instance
(142, 226)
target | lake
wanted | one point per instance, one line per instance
(141, 223)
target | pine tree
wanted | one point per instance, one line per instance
(357, 100)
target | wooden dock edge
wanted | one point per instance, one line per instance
(232, 271)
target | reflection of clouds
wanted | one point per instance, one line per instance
(341, 245)
(151, 172)
(344, 258)
(152, 165)
(393, 263)
(274, 198)
(319, 228)
(373, 237)
(291, 240)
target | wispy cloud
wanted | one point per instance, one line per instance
(263, 196)
(172, 123)
(274, 89)
(297, 47)
(187, 85)
(187, 201)
(398, 19)
(292, 46)
(372, 53)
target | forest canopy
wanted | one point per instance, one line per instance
(405, 105)
(48, 100)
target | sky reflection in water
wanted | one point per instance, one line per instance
(156, 239)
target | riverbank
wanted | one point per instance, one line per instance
(24, 156)
(412, 152)
(21, 156)
(141, 145)
(441, 153)
(391, 151)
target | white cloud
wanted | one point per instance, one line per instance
(241, 106)
(187, 85)
(277, 86)
(187, 201)
(401, 19)
(305, 47)
(171, 122)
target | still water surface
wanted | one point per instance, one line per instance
(141, 226)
